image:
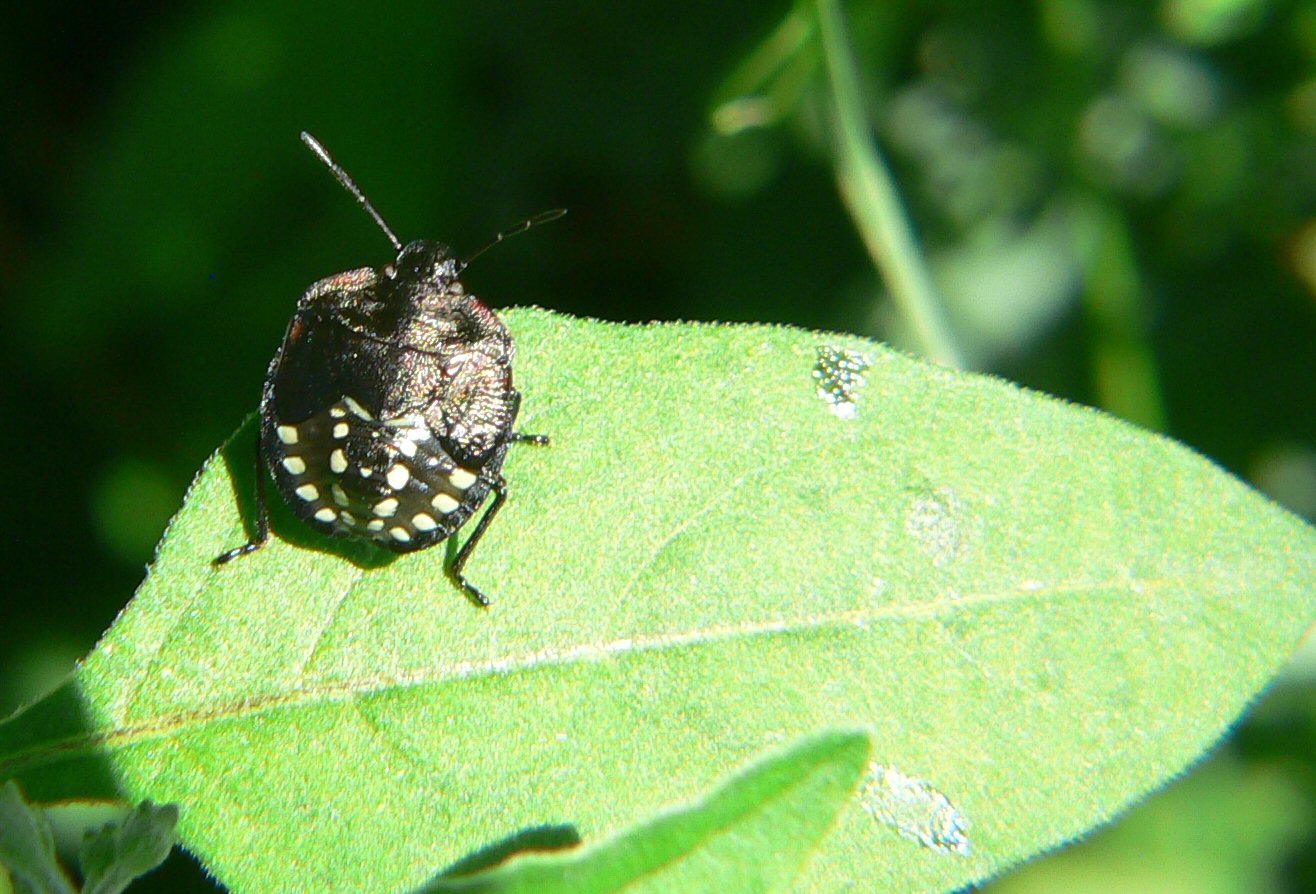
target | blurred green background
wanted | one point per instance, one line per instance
(1117, 199)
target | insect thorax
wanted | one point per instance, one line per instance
(391, 396)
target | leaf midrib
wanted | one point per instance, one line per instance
(326, 691)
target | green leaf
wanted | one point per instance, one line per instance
(750, 835)
(27, 847)
(1039, 613)
(121, 851)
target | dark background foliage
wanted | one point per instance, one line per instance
(1116, 197)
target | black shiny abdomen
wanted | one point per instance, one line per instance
(387, 412)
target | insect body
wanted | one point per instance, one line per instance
(388, 410)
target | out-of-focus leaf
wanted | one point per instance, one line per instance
(27, 847)
(121, 851)
(749, 835)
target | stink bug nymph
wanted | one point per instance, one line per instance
(388, 410)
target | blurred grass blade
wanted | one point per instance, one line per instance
(874, 202)
(740, 535)
(771, 80)
(749, 835)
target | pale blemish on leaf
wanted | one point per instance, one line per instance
(915, 809)
(934, 519)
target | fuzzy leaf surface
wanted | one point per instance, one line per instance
(1039, 611)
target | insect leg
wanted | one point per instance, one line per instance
(458, 563)
(262, 516)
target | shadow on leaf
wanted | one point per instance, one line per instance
(535, 839)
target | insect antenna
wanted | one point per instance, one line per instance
(540, 218)
(348, 184)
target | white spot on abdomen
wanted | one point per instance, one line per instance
(294, 464)
(308, 492)
(287, 434)
(338, 461)
(398, 476)
(357, 409)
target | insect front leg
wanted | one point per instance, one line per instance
(517, 437)
(262, 516)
